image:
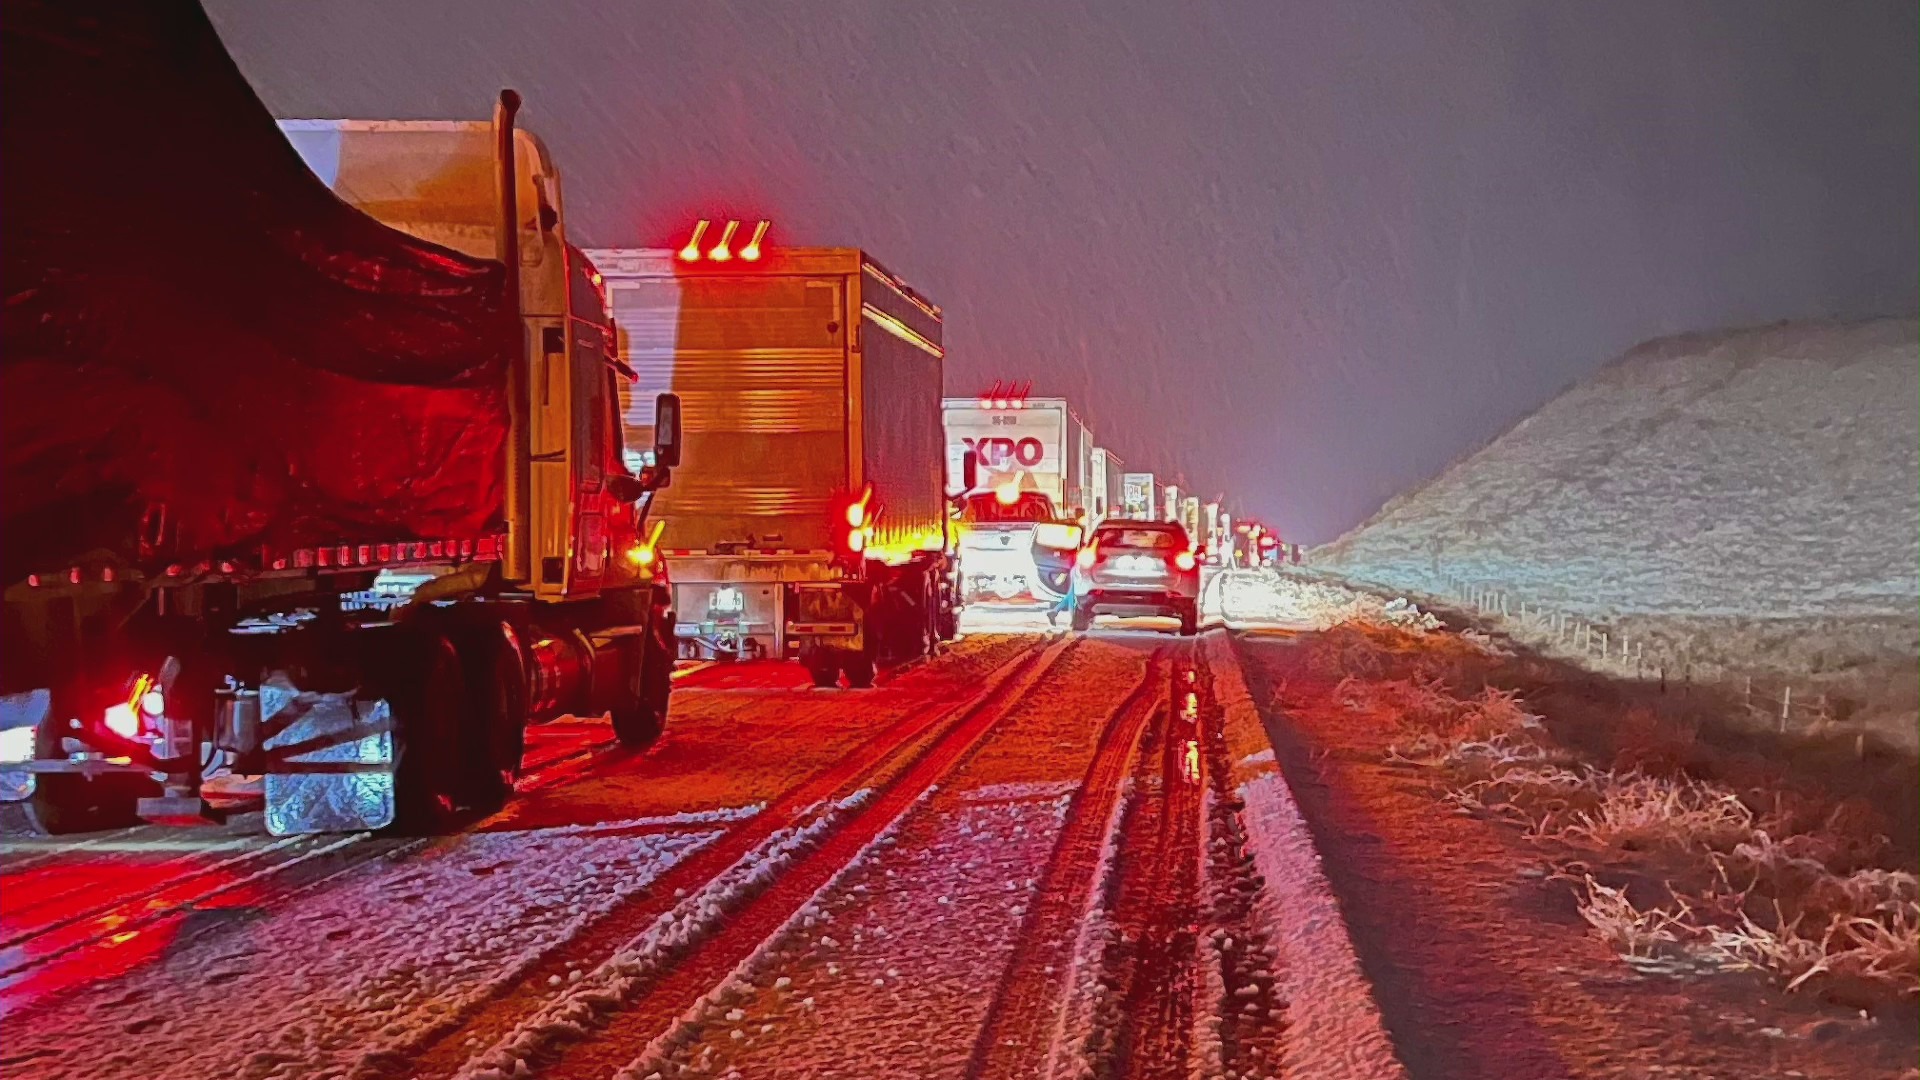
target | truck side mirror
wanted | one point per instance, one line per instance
(666, 430)
(969, 470)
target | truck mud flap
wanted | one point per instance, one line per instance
(329, 761)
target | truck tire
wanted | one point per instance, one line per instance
(824, 671)
(497, 690)
(429, 699)
(64, 803)
(1082, 617)
(640, 717)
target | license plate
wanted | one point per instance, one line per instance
(1138, 566)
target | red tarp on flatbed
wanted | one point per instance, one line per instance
(193, 321)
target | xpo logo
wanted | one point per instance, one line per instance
(997, 452)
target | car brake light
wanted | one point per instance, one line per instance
(1183, 561)
(856, 540)
(857, 514)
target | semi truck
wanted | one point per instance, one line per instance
(811, 377)
(289, 491)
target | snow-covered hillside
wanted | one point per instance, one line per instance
(1770, 472)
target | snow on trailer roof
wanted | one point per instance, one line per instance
(666, 262)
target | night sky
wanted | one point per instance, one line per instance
(1301, 253)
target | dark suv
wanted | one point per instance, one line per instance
(1137, 568)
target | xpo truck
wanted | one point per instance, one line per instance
(1020, 529)
(811, 378)
(285, 487)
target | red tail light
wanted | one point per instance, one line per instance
(1086, 558)
(1183, 561)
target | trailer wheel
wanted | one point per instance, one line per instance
(497, 690)
(64, 803)
(859, 669)
(429, 698)
(824, 671)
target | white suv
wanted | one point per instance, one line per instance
(1137, 568)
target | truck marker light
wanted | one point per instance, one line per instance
(720, 252)
(691, 252)
(751, 252)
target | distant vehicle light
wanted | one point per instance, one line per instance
(985, 403)
(1007, 494)
(857, 514)
(153, 704)
(16, 744)
(1183, 561)
(691, 252)
(1086, 558)
(857, 540)
(641, 555)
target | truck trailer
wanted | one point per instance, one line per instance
(1019, 530)
(1032, 444)
(811, 378)
(288, 491)
(1107, 481)
(1141, 496)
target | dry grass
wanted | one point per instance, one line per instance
(1766, 880)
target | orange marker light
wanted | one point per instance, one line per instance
(720, 252)
(691, 252)
(751, 252)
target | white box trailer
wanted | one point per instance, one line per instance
(1141, 497)
(1035, 444)
(810, 380)
(1106, 481)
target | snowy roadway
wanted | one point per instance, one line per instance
(1038, 854)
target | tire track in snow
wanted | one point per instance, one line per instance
(521, 1013)
(1135, 991)
(626, 1008)
(1015, 1038)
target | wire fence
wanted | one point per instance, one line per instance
(1608, 648)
